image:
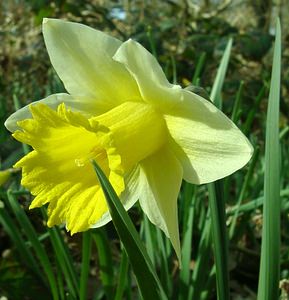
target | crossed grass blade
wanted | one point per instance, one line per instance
(147, 279)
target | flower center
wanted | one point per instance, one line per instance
(136, 131)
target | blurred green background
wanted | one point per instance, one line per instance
(185, 36)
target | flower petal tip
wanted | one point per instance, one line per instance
(32, 206)
(45, 20)
(8, 126)
(49, 22)
(131, 41)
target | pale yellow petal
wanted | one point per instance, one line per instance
(153, 84)
(207, 143)
(81, 104)
(24, 113)
(160, 181)
(82, 58)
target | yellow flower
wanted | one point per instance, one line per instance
(145, 133)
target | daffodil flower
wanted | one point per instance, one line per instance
(146, 133)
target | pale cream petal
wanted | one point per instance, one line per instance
(207, 143)
(83, 105)
(129, 197)
(82, 58)
(152, 82)
(160, 182)
(24, 113)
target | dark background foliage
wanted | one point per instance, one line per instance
(181, 34)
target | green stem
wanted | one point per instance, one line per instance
(86, 249)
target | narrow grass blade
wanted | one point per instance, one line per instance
(148, 231)
(174, 69)
(151, 41)
(256, 203)
(202, 213)
(86, 251)
(268, 288)
(33, 238)
(283, 132)
(243, 191)
(220, 241)
(199, 67)
(236, 107)
(60, 284)
(185, 272)
(12, 159)
(122, 282)
(202, 262)
(210, 285)
(63, 257)
(216, 197)
(251, 116)
(146, 276)
(104, 261)
(13, 231)
(164, 259)
(220, 77)
(64, 261)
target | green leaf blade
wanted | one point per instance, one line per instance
(146, 276)
(270, 252)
